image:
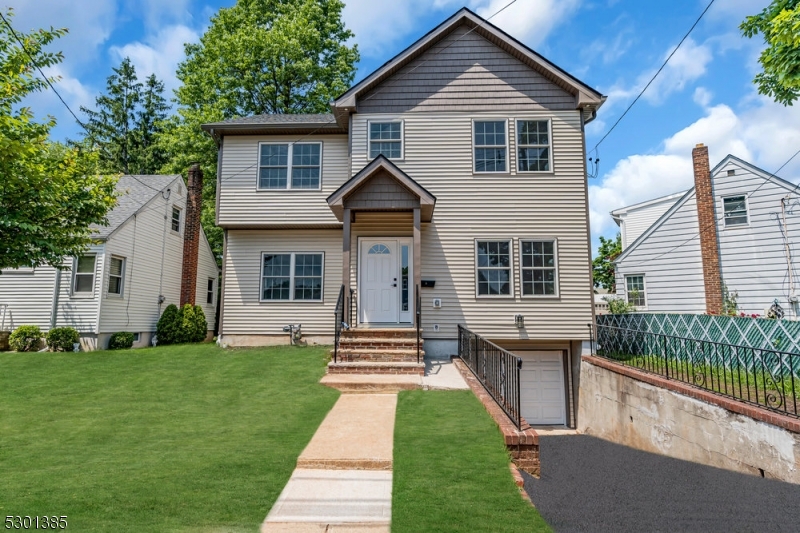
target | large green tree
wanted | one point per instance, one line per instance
(259, 56)
(603, 265)
(50, 195)
(126, 122)
(779, 24)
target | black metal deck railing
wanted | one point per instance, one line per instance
(766, 378)
(497, 369)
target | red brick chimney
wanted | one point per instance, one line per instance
(191, 234)
(707, 220)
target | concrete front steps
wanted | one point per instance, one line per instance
(378, 351)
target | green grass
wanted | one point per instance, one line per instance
(180, 438)
(451, 469)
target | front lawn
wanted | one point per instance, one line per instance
(451, 468)
(179, 438)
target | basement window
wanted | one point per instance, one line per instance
(735, 209)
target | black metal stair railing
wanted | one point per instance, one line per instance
(338, 319)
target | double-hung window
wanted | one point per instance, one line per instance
(83, 278)
(533, 145)
(290, 165)
(538, 267)
(386, 138)
(210, 291)
(735, 209)
(489, 144)
(116, 275)
(634, 289)
(493, 266)
(291, 276)
(176, 219)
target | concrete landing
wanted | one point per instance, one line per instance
(441, 374)
(371, 383)
(357, 434)
(333, 500)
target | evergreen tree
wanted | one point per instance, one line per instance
(149, 122)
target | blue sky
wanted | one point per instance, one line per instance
(704, 95)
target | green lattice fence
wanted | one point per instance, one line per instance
(759, 333)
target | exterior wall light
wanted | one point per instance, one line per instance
(519, 321)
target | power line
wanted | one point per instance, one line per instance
(696, 22)
(774, 174)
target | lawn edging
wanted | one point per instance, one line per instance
(523, 445)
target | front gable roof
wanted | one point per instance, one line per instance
(585, 96)
(380, 166)
(134, 192)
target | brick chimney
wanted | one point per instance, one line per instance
(707, 220)
(191, 234)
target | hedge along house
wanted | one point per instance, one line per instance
(450, 184)
(152, 253)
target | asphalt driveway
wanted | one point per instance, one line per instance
(591, 485)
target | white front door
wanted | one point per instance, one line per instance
(541, 379)
(378, 287)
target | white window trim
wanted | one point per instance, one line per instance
(644, 284)
(402, 138)
(472, 144)
(511, 289)
(72, 292)
(288, 166)
(180, 218)
(291, 277)
(121, 294)
(213, 290)
(518, 145)
(746, 207)
(557, 294)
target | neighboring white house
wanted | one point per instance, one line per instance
(753, 228)
(457, 170)
(125, 280)
(635, 219)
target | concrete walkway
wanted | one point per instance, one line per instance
(343, 479)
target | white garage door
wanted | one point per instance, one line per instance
(542, 387)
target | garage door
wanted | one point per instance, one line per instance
(542, 387)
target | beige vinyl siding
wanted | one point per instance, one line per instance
(245, 314)
(240, 204)
(148, 245)
(465, 72)
(79, 311)
(29, 296)
(506, 206)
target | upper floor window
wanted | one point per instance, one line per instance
(493, 265)
(634, 288)
(735, 209)
(116, 275)
(290, 166)
(533, 145)
(489, 144)
(386, 138)
(210, 291)
(176, 219)
(83, 277)
(538, 268)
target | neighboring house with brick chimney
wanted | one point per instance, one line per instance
(125, 280)
(446, 188)
(738, 226)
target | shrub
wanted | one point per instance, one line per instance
(619, 306)
(168, 327)
(62, 339)
(187, 323)
(121, 340)
(26, 339)
(200, 324)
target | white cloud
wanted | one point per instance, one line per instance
(159, 54)
(763, 133)
(379, 25)
(702, 96)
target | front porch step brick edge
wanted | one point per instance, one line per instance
(522, 444)
(756, 413)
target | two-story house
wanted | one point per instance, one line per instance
(152, 253)
(449, 183)
(736, 228)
